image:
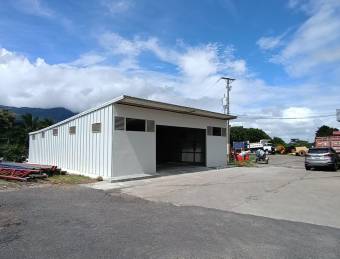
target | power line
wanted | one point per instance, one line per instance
(259, 117)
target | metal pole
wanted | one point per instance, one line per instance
(226, 107)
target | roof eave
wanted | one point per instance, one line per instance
(120, 100)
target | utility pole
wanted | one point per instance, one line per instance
(226, 108)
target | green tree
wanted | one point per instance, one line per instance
(278, 141)
(239, 133)
(14, 134)
(30, 123)
(325, 131)
(6, 121)
(6, 125)
(299, 143)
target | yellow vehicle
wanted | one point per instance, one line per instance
(300, 151)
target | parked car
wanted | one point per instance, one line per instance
(322, 157)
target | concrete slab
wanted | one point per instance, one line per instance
(130, 177)
(289, 193)
(281, 190)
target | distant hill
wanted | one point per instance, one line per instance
(56, 114)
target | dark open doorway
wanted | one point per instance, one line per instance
(179, 145)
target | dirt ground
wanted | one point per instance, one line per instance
(54, 180)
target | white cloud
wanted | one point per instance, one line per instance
(199, 62)
(88, 59)
(87, 81)
(117, 6)
(313, 47)
(119, 45)
(34, 7)
(267, 43)
(297, 112)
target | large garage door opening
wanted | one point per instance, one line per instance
(179, 145)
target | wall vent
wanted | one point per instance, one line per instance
(209, 131)
(96, 127)
(55, 132)
(150, 126)
(119, 123)
(72, 130)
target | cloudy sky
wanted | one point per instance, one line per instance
(285, 56)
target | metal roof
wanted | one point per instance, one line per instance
(149, 104)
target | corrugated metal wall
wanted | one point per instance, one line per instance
(85, 152)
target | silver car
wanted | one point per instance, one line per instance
(322, 157)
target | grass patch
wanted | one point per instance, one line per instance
(245, 163)
(70, 179)
(9, 184)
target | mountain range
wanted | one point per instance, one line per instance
(56, 114)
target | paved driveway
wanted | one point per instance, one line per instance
(79, 222)
(282, 190)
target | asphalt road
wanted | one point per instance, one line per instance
(78, 222)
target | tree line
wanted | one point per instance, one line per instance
(239, 133)
(14, 134)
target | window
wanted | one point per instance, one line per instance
(150, 126)
(72, 130)
(33, 137)
(135, 124)
(43, 134)
(119, 123)
(96, 127)
(55, 132)
(217, 131)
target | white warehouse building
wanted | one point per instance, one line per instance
(129, 136)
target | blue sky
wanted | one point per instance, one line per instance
(285, 56)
